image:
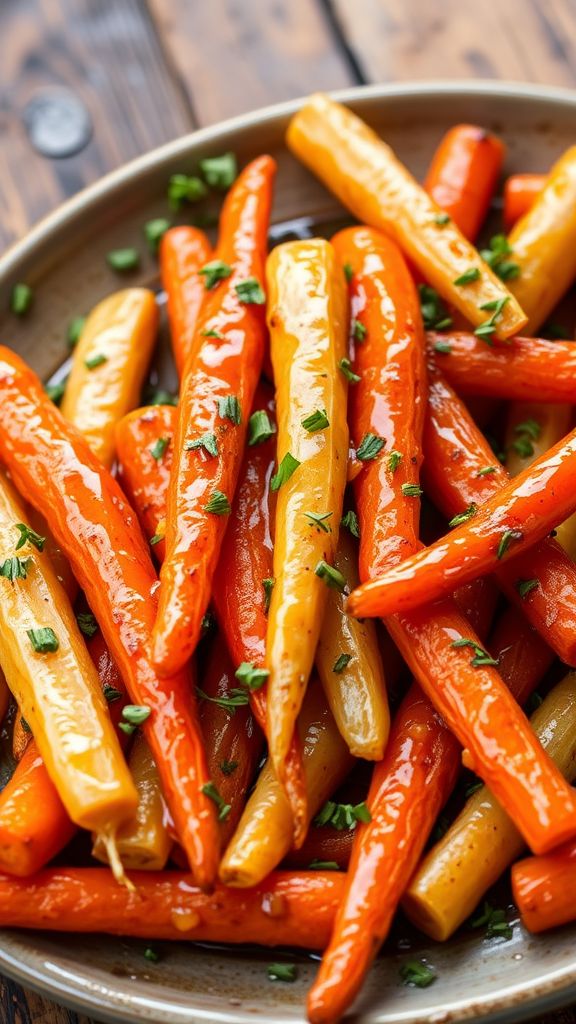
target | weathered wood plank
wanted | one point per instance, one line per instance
(401, 40)
(109, 56)
(234, 55)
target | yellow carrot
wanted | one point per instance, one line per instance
(369, 179)
(307, 318)
(109, 366)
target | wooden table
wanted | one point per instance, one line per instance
(146, 71)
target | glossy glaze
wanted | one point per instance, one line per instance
(183, 251)
(542, 242)
(52, 464)
(463, 175)
(264, 834)
(368, 178)
(122, 330)
(357, 694)
(307, 317)
(217, 368)
(544, 889)
(456, 452)
(482, 842)
(89, 900)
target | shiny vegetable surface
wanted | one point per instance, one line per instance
(369, 179)
(208, 446)
(52, 464)
(544, 889)
(109, 365)
(145, 445)
(520, 192)
(184, 250)
(463, 175)
(307, 319)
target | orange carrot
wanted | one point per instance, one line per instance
(53, 466)
(144, 446)
(526, 369)
(463, 175)
(520, 191)
(217, 390)
(519, 515)
(183, 251)
(461, 472)
(288, 908)
(544, 889)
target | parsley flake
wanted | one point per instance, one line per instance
(285, 470)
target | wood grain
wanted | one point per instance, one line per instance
(526, 40)
(235, 55)
(109, 55)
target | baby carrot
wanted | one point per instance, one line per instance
(109, 365)
(544, 889)
(219, 381)
(307, 318)
(461, 472)
(144, 445)
(520, 192)
(526, 369)
(370, 180)
(289, 908)
(184, 250)
(519, 515)
(463, 175)
(52, 464)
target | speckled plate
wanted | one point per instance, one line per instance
(64, 260)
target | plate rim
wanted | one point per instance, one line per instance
(538, 997)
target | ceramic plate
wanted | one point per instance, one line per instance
(64, 260)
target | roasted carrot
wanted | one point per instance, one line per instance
(520, 514)
(369, 179)
(144, 445)
(419, 769)
(52, 464)
(525, 369)
(388, 358)
(109, 365)
(307, 318)
(325, 848)
(531, 429)
(217, 390)
(184, 250)
(288, 908)
(233, 740)
(544, 889)
(543, 244)
(463, 175)
(265, 831)
(520, 193)
(461, 472)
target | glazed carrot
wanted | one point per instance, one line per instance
(520, 514)
(544, 889)
(482, 842)
(144, 446)
(531, 429)
(463, 175)
(307, 319)
(233, 741)
(350, 667)
(419, 770)
(264, 834)
(543, 244)
(184, 250)
(526, 369)
(143, 842)
(369, 179)
(389, 359)
(288, 908)
(109, 365)
(54, 682)
(520, 193)
(217, 390)
(462, 472)
(52, 464)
